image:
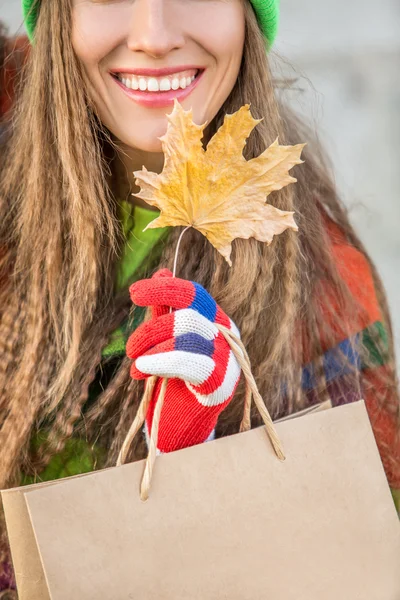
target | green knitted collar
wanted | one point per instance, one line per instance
(139, 243)
(139, 247)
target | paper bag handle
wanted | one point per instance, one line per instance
(242, 357)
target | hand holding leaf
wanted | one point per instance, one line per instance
(222, 195)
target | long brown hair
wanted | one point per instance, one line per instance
(60, 239)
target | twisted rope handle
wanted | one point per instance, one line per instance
(242, 357)
(152, 455)
(138, 420)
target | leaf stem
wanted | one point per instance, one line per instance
(177, 250)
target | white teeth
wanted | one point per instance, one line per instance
(152, 85)
(165, 85)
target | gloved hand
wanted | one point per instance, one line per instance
(186, 347)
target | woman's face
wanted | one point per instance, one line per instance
(141, 54)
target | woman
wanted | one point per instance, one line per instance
(310, 308)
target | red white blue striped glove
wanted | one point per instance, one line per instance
(186, 347)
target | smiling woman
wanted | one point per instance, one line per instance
(172, 39)
(102, 78)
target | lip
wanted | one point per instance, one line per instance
(157, 99)
(156, 72)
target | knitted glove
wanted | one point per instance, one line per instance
(186, 347)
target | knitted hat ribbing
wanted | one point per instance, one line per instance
(267, 12)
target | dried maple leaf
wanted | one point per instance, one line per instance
(216, 190)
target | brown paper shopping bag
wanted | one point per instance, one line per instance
(226, 519)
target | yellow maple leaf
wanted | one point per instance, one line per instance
(216, 190)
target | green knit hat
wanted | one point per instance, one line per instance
(267, 12)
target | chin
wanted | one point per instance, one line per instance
(145, 144)
(142, 138)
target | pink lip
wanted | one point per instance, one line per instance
(157, 99)
(157, 72)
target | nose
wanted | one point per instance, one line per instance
(155, 28)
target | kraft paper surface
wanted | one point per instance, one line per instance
(226, 519)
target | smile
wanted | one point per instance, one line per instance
(158, 88)
(157, 84)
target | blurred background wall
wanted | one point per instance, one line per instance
(349, 50)
(347, 53)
